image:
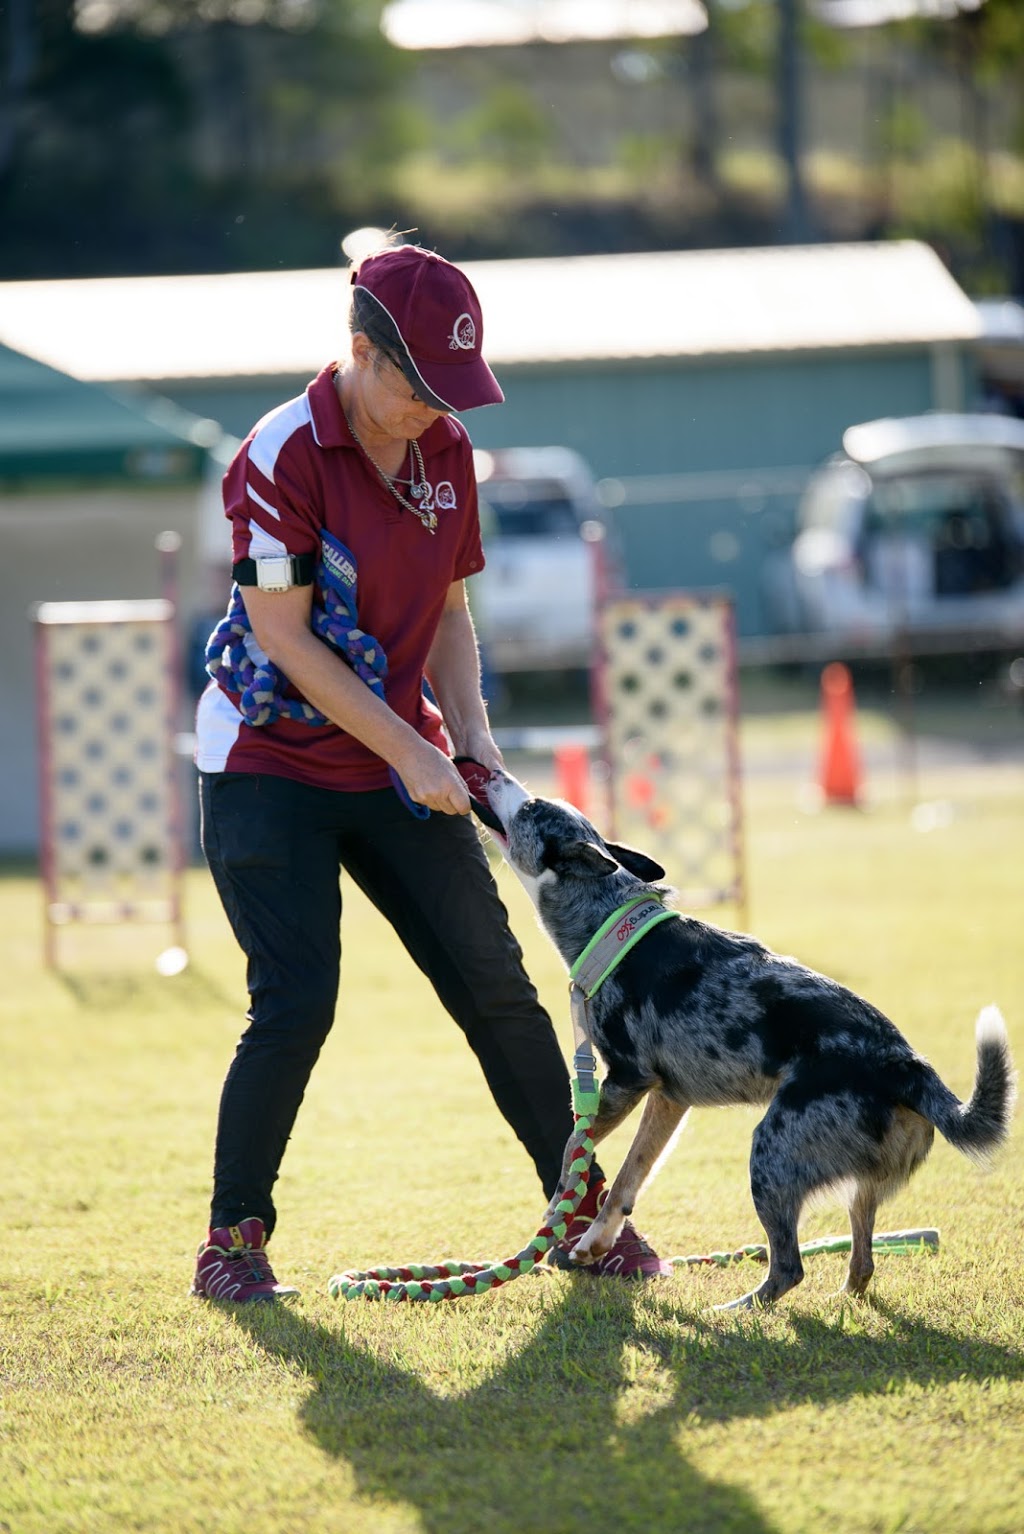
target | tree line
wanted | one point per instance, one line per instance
(150, 136)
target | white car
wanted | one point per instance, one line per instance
(533, 604)
(916, 528)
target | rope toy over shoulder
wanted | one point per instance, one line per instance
(260, 685)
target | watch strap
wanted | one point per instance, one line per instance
(303, 568)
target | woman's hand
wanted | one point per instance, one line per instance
(480, 745)
(430, 778)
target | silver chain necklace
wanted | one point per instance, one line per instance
(419, 489)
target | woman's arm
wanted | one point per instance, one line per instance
(453, 671)
(281, 623)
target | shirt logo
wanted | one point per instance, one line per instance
(463, 336)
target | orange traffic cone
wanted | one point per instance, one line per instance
(840, 778)
(572, 772)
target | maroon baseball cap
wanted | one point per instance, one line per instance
(435, 317)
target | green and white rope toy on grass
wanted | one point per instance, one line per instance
(451, 1279)
(896, 1242)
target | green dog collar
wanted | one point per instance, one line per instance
(620, 932)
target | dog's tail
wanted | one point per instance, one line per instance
(980, 1126)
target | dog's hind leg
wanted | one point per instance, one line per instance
(780, 1218)
(811, 1140)
(662, 1118)
(903, 1147)
(863, 1207)
(779, 1185)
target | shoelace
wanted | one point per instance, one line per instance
(256, 1262)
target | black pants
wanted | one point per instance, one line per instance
(275, 848)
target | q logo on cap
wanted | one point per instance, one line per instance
(463, 336)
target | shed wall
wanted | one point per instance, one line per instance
(756, 424)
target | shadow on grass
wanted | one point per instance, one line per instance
(827, 1358)
(108, 990)
(539, 1440)
(547, 1433)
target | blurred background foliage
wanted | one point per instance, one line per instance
(161, 136)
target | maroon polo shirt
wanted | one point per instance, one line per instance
(300, 471)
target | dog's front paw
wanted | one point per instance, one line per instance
(590, 1247)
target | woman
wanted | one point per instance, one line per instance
(355, 525)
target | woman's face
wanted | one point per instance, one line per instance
(386, 401)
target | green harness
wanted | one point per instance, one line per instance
(620, 932)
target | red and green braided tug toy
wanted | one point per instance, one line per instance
(451, 1279)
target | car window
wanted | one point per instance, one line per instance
(920, 503)
(530, 508)
(965, 523)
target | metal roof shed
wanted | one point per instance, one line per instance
(87, 483)
(702, 386)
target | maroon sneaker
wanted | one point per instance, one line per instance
(232, 1264)
(630, 1257)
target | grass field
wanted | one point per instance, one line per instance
(557, 1402)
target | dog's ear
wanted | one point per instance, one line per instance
(636, 862)
(588, 860)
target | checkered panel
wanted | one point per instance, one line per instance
(668, 685)
(106, 709)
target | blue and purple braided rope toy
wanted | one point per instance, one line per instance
(261, 685)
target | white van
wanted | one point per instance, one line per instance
(533, 603)
(917, 527)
